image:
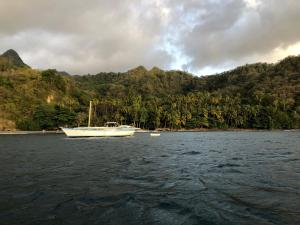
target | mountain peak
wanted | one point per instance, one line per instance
(156, 70)
(12, 59)
(10, 52)
(138, 70)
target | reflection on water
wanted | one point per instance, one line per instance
(177, 178)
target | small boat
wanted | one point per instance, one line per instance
(110, 129)
(154, 134)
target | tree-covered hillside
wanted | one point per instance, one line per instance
(263, 96)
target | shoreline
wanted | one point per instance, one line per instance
(162, 130)
(15, 132)
(227, 130)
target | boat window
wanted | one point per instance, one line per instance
(111, 124)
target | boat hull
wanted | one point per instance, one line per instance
(99, 132)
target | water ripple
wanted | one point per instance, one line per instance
(210, 178)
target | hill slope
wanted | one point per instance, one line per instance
(263, 96)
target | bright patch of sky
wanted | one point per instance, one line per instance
(253, 3)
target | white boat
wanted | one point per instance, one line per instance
(154, 134)
(111, 129)
(117, 131)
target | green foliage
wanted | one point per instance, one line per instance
(260, 96)
(47, 117)
(53, 78)
(27, 124)
(4, 81)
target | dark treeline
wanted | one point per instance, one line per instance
(262, 96)
(198, 110)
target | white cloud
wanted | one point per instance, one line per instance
(253, 3)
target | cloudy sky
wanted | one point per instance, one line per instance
(199, 36)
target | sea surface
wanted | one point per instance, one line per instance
(177, 178)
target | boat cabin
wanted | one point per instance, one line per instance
(111, 124)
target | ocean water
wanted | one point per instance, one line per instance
(177, 178)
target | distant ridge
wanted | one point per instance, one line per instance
(253, 96)
(11, 59)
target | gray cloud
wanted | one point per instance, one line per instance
(84, 36)
(100, 35)
(233, 32)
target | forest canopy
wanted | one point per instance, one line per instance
(260, 96)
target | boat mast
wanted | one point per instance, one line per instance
(90, 114)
